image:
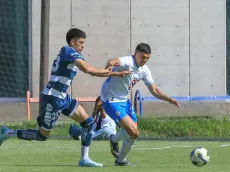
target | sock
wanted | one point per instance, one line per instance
(121, 135)
(30, 135)
(84, 151)
(127, 145)
(86, 136)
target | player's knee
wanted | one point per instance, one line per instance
(88, 123)
(107, 130)
(134, 133)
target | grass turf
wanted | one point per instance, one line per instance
(155, 156)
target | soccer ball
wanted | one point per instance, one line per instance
(200, 156)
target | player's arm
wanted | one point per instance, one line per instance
(86, 68)
(113, 62)
(156, 92)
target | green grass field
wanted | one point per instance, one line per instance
(149, 156)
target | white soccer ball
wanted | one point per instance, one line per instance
(200, 156)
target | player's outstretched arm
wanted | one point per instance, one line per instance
(156, 92)
(86, 68)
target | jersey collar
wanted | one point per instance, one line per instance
(135, 62)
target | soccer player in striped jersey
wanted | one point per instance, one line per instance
(55, 100)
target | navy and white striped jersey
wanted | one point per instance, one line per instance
(63, 72)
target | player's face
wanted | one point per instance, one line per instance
(141, 58)
(78, 44)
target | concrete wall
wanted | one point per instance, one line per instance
(187, 39)
(164, 24)
(36, 29)
(208, 47)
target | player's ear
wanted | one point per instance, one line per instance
(72, 42)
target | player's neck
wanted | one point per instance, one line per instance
(135, 61)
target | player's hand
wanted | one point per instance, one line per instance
(109, 68)
(174, 102)
(124, 73)
(109, 65)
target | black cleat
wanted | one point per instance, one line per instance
(124, 163)
(114, 147)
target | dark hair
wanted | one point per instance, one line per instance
(97, 100)
(144, 48)
(74, 33)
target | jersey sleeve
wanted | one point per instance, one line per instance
(148, 79)
(125, 61)
(72, 55)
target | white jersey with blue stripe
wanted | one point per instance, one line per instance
(63, 72)
(116, 88)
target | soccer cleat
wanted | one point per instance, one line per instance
(114, 147)
(87, 162)
(124, 163)
(3, 134)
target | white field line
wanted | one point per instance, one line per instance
(225, 145)
(160, 148)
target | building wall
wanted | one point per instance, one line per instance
(187, 38)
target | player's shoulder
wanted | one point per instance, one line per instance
(69, 51)
(129, 57)
(126, 60)
(145, 68)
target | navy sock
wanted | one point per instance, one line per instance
(30, 135)
(86, 134)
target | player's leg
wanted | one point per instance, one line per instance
(46, 122)
(103, 134)
(131, 132)
(128, 134)
(124, 114)
(78, 113)
(27, 134)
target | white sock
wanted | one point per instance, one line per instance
(84, 151)
(121, 135)
(127, 145)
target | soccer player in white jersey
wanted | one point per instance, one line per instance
(103, 126)
(55, 100)
(115, 98)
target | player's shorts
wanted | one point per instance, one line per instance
(119, 110)
(51, 107)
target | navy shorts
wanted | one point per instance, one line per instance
(51, 107)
